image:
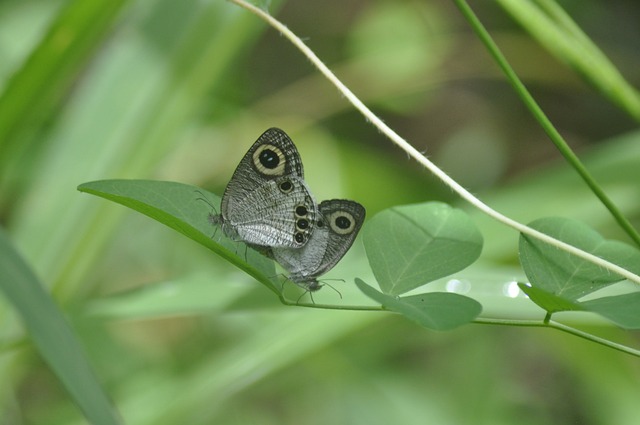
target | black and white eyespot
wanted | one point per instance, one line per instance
(269, 160)
(300, 237)
(301, 211)
(342, 222)
(285, 186)
(302, 224)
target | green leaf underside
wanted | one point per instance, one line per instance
(180, 207)
(436, 310)
(623, 310)
(550, 302)
(52, 336)
(565, 275)
(410, 246)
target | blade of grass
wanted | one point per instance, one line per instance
(53, 337)
(546, 124)
(555, 29)
(34, 92)
(128, 113)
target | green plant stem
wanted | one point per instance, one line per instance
(331, 306)
(545, 323)
(424, 161)
(564, 328)
(544, 121)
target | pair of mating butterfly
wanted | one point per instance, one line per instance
(268, 205)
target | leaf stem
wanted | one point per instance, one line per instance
(414, 153)
(332, 306)
(545, 323)
(564, 328)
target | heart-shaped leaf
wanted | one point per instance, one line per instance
(435, 310)
(186, 209)
(409, 246)
(565, 275)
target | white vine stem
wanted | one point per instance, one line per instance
(414, 153)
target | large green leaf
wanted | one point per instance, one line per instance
(409, 246)
(435, 310)
(185, 208)
(559, 280)
(53, 337)
(564, 274)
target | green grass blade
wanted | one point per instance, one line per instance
(129, 113)
(35, 90)
(52, 335)
(559, 34)
(545, 123)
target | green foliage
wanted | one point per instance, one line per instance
(557, 31)
(50, 332)
(407, 246)
(560, 279)
(103, 307)
(410, 246)
(436, 310)
(184, 208)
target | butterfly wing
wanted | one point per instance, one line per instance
(267, 202)
(337, 226)
(272, 156)
(278, 213)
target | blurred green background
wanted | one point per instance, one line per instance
(178, 90)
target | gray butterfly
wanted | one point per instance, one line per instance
(337, 225)
(267, 202)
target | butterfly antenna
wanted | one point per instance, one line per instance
(204, 199)
(339, 293)
(324, 281)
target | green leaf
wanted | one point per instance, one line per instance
(550, 302)
(412, 245)
(185, 208)
(623, 310)
(53, 337)
(435, 310)
(565, 275)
